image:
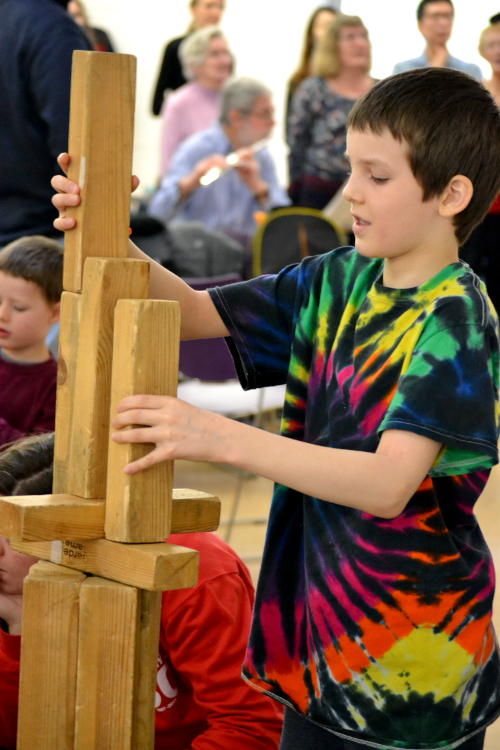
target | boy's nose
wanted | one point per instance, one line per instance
(348, 191)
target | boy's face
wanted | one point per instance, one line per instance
(25, 319)
(390, 219)
(14, 567)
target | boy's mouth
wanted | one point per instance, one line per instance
(4, 333)
(358, 222)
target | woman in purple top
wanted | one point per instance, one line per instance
(207, 62)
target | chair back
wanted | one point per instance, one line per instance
(290, 234)
(207, 359)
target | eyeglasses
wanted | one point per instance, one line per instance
(438, 17)
(263, 114)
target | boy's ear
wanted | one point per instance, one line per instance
(56, 312)
(456, 196)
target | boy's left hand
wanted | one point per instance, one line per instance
(177, 430)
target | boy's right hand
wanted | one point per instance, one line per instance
(68, 194)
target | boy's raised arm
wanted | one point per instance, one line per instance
(199, 317)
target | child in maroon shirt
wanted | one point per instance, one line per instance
(30, 290)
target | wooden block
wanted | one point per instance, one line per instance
(48, 517)
(100, 144)
(52, 517)
(194, 511)
(145, 360)
(48, 658)
(148, 639)
(66, 369)
(154, 567)
(108, 631)
(106, 280)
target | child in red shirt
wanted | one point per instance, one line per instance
(202, 702)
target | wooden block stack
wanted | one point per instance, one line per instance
(89, 644)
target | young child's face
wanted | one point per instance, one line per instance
(25, 319)
(14, 567)
(390, 218)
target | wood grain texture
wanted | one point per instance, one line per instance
(106, 280)
(154, 567)
(52, 517)
(48, 517)
(48, 658)
(108, 628)
(146, 668)
(145, 361)
(100, 145)
(66, 370)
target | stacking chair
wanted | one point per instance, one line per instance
(209, 381)
(290, 234)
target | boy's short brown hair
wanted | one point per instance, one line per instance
(37, 259)
(451, 126)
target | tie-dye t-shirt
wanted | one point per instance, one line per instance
(377, 629)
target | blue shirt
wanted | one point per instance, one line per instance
(226, 205)
(452, 62)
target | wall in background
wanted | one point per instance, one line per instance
(266, 36)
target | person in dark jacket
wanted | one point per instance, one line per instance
(37, 39)
(171, 76)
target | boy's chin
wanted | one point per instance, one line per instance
(368, 250)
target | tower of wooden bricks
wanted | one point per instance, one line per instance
(91, 612)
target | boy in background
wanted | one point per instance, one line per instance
(373, 617)
(30, 291)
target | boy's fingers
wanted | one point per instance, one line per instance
(64, 186)
(134, 435)
(146, 462)
(63, 223)
(132, 417)
(141, 401)
(64, 161)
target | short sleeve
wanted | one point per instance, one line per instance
(261, 315)
(449, 393)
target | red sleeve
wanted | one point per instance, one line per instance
(206, 639)
(9, 688)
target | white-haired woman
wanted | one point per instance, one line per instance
(170, 76)
(207, 63)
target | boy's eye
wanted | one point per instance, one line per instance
(379, 180)
(19, 309)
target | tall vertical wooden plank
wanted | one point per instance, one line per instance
(66, 370)
(145, 360)
(105, 281)
(108, 636)
(48, 658)
(100, 144)
(148, 639)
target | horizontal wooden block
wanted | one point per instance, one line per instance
(193, 510)
(154, 567)
(52, 517)
(48, 517)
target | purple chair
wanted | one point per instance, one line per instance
(207, 359)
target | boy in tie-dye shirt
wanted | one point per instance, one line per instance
(373, 615)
